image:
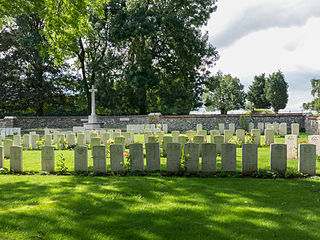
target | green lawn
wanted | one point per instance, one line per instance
(32, 159)
(71, 207)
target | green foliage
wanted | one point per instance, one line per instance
(248, 138)
(276, 90)
(62, 169)
(293, 173)
(229, 174)
(244, 122)
(236, 141)
(315, 92)
(4, 171)
(264, 173)
(260, 111)
(224, 93)
(256, 93)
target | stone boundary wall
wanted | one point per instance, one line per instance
(312, 125)
(209, 122)
(175, 123)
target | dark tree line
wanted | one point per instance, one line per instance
(143, 56)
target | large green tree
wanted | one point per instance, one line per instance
(28, 77)
(256, 94)
(276, 90)
(224, 93)
(315, 92)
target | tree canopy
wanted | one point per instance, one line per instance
(256, 94)
(143, 55)
(276, 90)
(315, 92)
(224, 93)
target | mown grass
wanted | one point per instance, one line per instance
(32, 158)
(70, 207)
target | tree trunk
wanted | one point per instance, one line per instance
(223, 111)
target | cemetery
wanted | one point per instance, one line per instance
(118, 120)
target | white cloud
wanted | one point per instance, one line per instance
(266, 36)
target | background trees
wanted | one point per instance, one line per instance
(224, 93)
(142, 55)
(276, 91)
(256, 94)
(315, 92)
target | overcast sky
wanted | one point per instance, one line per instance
(263, 36)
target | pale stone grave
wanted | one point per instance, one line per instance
(26, 140)
(268, 136)
(102, 131)
(116, 158)
(60, 140)
(232, 127)
(256, 136)
(166, 140)
(118, 131)
(282, 129)
(295, 129)
(165, 128)
(105, 138)
(152, 139)
(48, 140)
(81, 139)
(132, 136)
(46, 131)
(99, 159)
(276, 128)
(249, 158)
(1, 156)
(17, 140)
(153, 156)
(203, 133)
(126, 136)
(136, 157)
(228, 157)
(16, 159)
(120, 140)
(71, 139)
(261, 126)
(81, 159)
(251, 126)
(279, 157)
(160, 135)
(240, 134)
(175, 135)
(182, 140)
(191, 133)
(55, 137)
(221, 128)
(34, 140)
(315, 139)
(7, 143)
(209, 158)
(213, 133)
(269, 126)
(191, 155)
(147, 134)
(218, 140)
(199, 127)
(307, 159)
(200, 140)
(95, 141)
(111, 133)
(47, 159)
(173, 157)
(88, 137)
(292, 146)
(228, 134)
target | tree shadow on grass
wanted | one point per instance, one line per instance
(73, 207)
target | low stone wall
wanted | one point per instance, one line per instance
(175, 123)
(312, 125)
(209, 122)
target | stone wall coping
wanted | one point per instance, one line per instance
(77, 117)
(234, 115)
(313, 118)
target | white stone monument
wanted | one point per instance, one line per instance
(93, 122)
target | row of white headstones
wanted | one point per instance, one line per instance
(199, 138)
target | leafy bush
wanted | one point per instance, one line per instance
(236, 141)
(244, 123)
(4, 171)
(263, 173)
(293, 173)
